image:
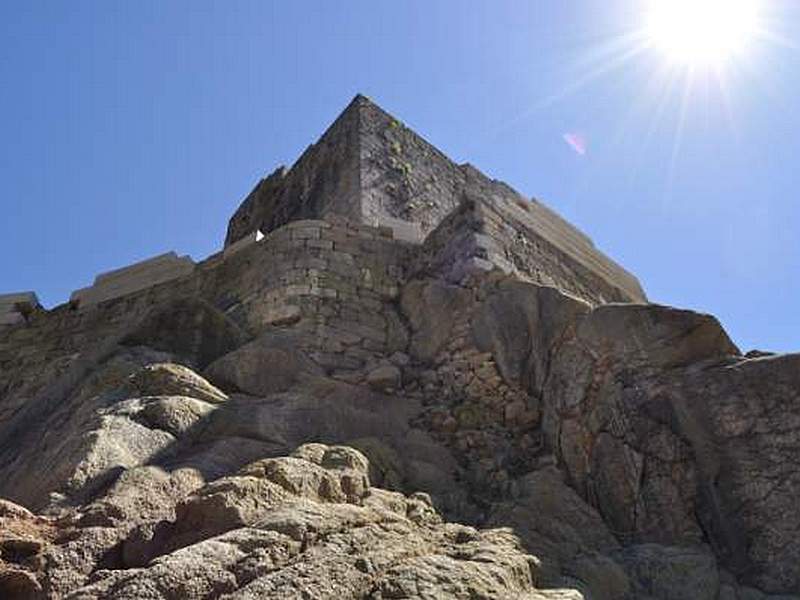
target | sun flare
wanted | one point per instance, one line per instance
(701, 32)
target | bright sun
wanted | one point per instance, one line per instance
(701, 32)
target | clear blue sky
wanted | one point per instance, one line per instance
(132, 128)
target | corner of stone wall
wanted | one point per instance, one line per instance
(460, 247)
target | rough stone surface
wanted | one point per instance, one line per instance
(416, 385)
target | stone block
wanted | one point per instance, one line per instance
(134, 278)
(349, 246)
(321, 244)
(308, 223)
(384, 378)
(309, 233)
(297, 290)
(402, 230)
(285, 314)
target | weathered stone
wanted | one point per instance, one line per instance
(271, 363)
(671, 573)
(430, 307)
(165, 379)
(272, 531)
(16, 306)
(386, 377)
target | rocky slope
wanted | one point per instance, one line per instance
(340, 411)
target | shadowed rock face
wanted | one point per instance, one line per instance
(334, 412)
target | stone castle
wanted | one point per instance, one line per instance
(462, 341)
(373, 178)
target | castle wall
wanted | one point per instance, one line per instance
(133, 278)
(524, 240)
(331, 282)
(482, 235)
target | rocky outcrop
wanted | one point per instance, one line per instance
(306, 525)
(340, 409)
(675, 437)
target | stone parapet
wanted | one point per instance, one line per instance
(133, 278)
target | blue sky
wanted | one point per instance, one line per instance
(132, 128)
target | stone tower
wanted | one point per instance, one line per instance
(371, 169)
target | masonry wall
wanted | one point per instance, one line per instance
(455, 249)
(501, 233)
(332, 283)
(133, 278)
(402, 175)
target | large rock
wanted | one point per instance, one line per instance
(167, 379)
(520, 324)
(272, 363)
(431, 307)
(566, 534)
(191, 329)
(677, 439)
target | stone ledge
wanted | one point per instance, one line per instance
(133, 278)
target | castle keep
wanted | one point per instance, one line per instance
(372, 170)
